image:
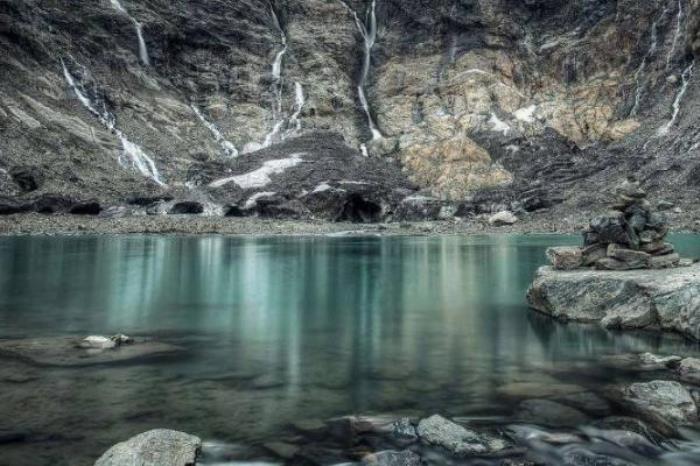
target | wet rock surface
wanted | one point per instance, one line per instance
(158, 447)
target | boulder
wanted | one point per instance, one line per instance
(689, 370)
(664, 262)
(550, 413)
(610, 228)
(592, 254)
(392, 458)
(456, 439)
(668, 299)
(159, 447)
(418, 208)
(503, 218)
(565, 258)
(631, 258)
(666, 404)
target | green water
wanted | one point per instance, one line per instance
(281, 329)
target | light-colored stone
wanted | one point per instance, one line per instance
(458, 440)
(392, 458)
(669, 299)
(689, 370)
(159, 447)
(565, 258)
(503, 218)
(662, 400)
(97, 342)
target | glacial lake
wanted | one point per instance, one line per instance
(281, 330)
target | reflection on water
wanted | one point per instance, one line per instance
(280, 329)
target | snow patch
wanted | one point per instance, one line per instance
(499, 125)
(526, 114)
(260, 177)
(253, 200)
(322, 187)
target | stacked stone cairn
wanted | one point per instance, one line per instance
(629, 237)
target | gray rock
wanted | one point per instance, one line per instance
(392, 458)
(631, 258)
(403, 432)
(158, 447)
(593, 253)
(565, 258)
(664, 262)
(503, 218)
(440, 432)
(550, 413)
(668, 299)
(661, 400)
(665, 205)
(689, 370)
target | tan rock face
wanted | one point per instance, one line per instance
(453, 167)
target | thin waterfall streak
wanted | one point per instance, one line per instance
(227, 146)
(139, 159)
(676, 35)
(299, 100)
(277, 119)
(368, 31)
(685, 77)
(639, 93)
(143, 50)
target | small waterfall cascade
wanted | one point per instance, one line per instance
(299, 101)
(130, 151)
(143, 51)
(278, 121)
(227, 146)
(676, 35)
(368, 30)
(685, 81)
(639, 74)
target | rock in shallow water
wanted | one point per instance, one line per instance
(159, 447)
(459, 441)
(666, 404)
(392, 458)
(633, 299)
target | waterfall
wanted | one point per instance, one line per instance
(685, 77)
(676, 35)
(143, 51)
(368, 30)
(139, 159)
(299, 100)
(639, 74)
(277, 83)
(228, 147)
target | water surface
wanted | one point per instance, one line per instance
(278, 330)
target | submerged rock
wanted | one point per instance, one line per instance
(67, 351)
(159, 447)
(634, 299)
(550, 413)
(392, 458)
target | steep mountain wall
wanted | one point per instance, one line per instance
(490, 100)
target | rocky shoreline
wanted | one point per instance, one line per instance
(60, 224)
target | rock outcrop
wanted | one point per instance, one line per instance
(668, 300)
(159, 447)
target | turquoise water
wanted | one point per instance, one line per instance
(281, 329)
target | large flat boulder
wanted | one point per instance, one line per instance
(665, 299)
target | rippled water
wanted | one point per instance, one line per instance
(278, 330)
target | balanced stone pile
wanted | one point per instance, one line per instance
(629, 237)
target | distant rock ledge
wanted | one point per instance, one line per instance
(655, 299)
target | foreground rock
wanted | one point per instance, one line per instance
(665, 404)
(668, 299)
(457, 440)
(160, 447)
(70, 351)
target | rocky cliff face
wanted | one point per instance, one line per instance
(492, 103)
